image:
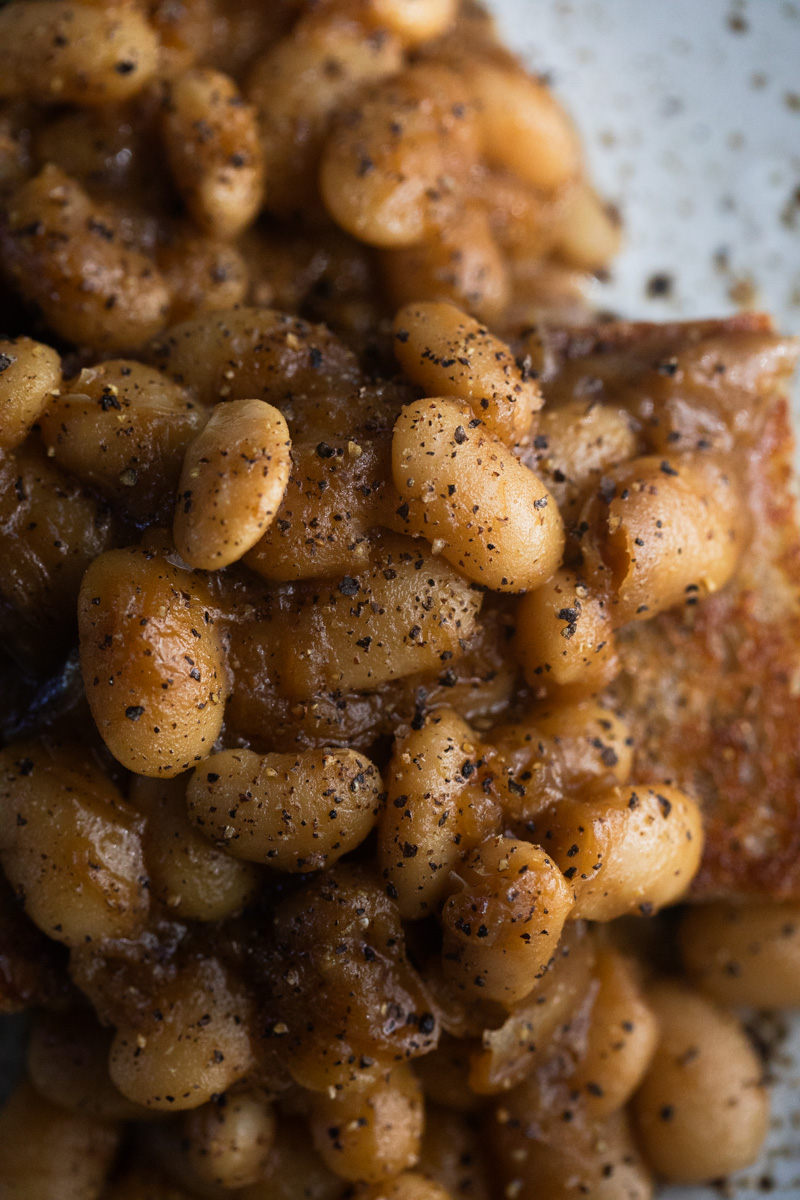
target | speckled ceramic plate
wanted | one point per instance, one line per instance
(690, 113)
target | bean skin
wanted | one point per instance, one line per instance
(233, 480)
(152, 661)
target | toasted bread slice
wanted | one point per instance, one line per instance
(712, 689)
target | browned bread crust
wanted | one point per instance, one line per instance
(712, 692)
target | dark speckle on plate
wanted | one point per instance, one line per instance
(660, 285)
(790, 213)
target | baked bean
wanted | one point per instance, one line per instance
(114, 154)
(462, 1016)
(245, 28)
(352, 317)
(123, 427)
(185, 33)
(397, 617)
(548, 1095)
(452, 1154)
(229, 1140)
(565, 640)
(744, 953)
(50, 531)
(30, 374)
(295, 268)
(463, 265)
(482, 681)
(68, 1065)
(534, 771)
(522, 218)
(574, 748)
(676, 424)
(756, 360)
(346, 411)
(392, 164)
(523, 127)
(586, 233)
(212, 142)
(448, 353)
(509, 1053)
(292, 812)
(627, 850)
(411, 1185)
(464, 491)
(260, 712)
(294, 1169)
(503, 919)
(45, 1151)
(705, 395)
(478, 680)
(340, 937)
(203, 275)
(436, 811)
(544, 290)
(702, 1110)
(661, 533)
(163, 1144)
(71, 847)
(444, 1075)
(335, 495)
(233, 480)
(621, 1040)
(192, 1043)
(414, 21)
(68, 255)
(372, 1134)
(73, 53)
(298, 85)
(576, 443)
(150, 649)
(187, 874)
(251, 353)
(568, 1158)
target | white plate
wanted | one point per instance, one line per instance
(690, 113)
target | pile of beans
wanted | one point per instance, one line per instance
(324, 847)
(160, 159)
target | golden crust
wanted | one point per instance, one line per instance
(712, 692)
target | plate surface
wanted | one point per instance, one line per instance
(690, 114)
